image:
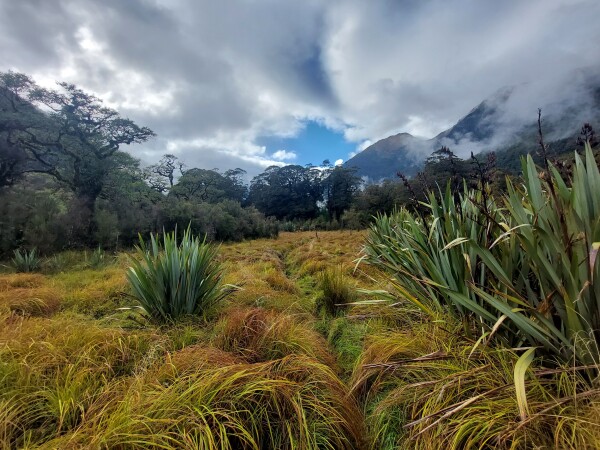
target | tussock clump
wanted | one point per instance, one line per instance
(423, 390)
(91, 292)
(313, 254)
(336, 292)
(257, 334)
(291, 403)
(48, 344)
(43, 301)
(385, 349)
(313, 266)
(54, 370)
(21, 280)
(273, 257)
(193, 359)
(259, 293)
(279, 282)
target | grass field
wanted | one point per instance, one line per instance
(80, 367)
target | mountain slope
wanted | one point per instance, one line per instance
(506, 123)
(478, 124)
(384, 158)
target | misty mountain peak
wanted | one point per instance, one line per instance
(506, 121)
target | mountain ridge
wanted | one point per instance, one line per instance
(492, 125)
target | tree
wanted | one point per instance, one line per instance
(288, 192)
(237, 189)
(202, 185)
(341, 185)
(12, 160)
(161, 176)
(65, 133)
(443, 166)
(127, 205)
(16, 114)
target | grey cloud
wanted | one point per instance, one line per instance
(34, 31)
(225, 73)
(455, 53)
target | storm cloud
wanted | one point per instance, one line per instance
(211, 78)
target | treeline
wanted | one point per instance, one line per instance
(65, 181)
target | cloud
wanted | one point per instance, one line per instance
(212, 78)
(419, 67)
(284, 155)
(338, 162)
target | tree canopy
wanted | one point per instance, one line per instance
(287, 192)
(64, 132)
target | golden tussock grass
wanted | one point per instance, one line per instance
(263, 288)
(47, 344)
(258, 334)
(424, 389)
(280, 282)
(21, 280)
(265, 372)
(261, 273)
(290, 403)
(38, 301)
(193, 359)
(93, 292)
(54, 370)
(313, 265)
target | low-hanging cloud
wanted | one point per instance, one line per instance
(211, 78)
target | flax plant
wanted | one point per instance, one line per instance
(524, 274)
(432, 259)
(175, 279)
(26, 261)
(559, 302)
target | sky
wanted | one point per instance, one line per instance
(252, 83)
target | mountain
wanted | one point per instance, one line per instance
(405, 153)
(478, 125)
(506, 123)
(386, 157)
